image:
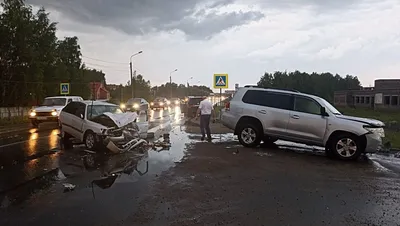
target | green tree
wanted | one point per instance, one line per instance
(322, 85)
(33, 62)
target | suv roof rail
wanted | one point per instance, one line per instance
(255, 86)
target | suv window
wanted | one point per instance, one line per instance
(307, 105)
(268, 99)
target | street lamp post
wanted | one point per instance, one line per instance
(188, 86)
(133, 86)
(170, 81)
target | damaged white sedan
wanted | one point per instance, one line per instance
(100, 124)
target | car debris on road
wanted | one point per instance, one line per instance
(123, 133)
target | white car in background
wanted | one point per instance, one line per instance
(50, 109)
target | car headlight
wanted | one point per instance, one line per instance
(151, 103)
(161, 104)
(54, 113)
(32, 114)
(176, 102)
(136, 105)
(168, 102)
(123, 106)
(378, 131)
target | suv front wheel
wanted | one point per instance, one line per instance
(249, 135)
(346, 146)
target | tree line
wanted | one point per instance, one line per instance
(319, 84)
(33, 61)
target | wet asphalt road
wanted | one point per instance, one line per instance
(133, 188)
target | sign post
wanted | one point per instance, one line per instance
(64, 88)
(220, 82)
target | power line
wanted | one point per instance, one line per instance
(104, 61)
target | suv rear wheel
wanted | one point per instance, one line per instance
(249, 135)
(346, 146)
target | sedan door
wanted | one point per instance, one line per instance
(306, 124)
(78, 119)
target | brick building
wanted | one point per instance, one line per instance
(385, 94)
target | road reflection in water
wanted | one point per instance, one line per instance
(32, 142)
(53, 139)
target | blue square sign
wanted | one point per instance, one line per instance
(64, 88)
(220, 81)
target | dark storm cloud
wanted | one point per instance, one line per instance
(198, 19)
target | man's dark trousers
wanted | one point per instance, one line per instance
(205, 126)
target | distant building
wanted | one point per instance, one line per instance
(99, 91)
(385, 94)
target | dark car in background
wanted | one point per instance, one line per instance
(159, 103)
(136, 105)
(192, 104)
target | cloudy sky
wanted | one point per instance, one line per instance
(243, 38)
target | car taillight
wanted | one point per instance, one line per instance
(228, 105)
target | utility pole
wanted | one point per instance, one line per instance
(170, 80)
(130, 69)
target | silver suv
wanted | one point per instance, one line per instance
(258, 114)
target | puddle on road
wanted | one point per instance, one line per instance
(89, 172)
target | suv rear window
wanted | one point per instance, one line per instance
(268, 99)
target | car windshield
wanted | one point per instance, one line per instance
(195, 101)
(134, 101)
(96, 110)
(54, 102)
(330, 107)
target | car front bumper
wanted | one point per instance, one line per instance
(374, 143)
(44, 118)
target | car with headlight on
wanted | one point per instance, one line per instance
(160, 103)
(175, 102)
(136, 105)
(50, 109)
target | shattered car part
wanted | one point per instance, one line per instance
(123, 133)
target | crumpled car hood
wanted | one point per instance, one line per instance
(122, 119)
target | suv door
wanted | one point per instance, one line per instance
(271, 108)
(306, 123)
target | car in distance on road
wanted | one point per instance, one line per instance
(257, 114)
(192, 105)
(175, 102)
(159, 103)
(50, 109)
(76, 120)
(136, 105)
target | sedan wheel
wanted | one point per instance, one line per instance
(89, 140)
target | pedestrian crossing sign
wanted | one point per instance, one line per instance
(64, 88)
(220, 81)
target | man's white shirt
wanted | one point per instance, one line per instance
(206, 107)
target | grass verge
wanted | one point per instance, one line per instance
(391, 135)
(13, 121)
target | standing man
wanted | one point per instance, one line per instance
(205, 110)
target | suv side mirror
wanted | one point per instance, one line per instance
(323, 112)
